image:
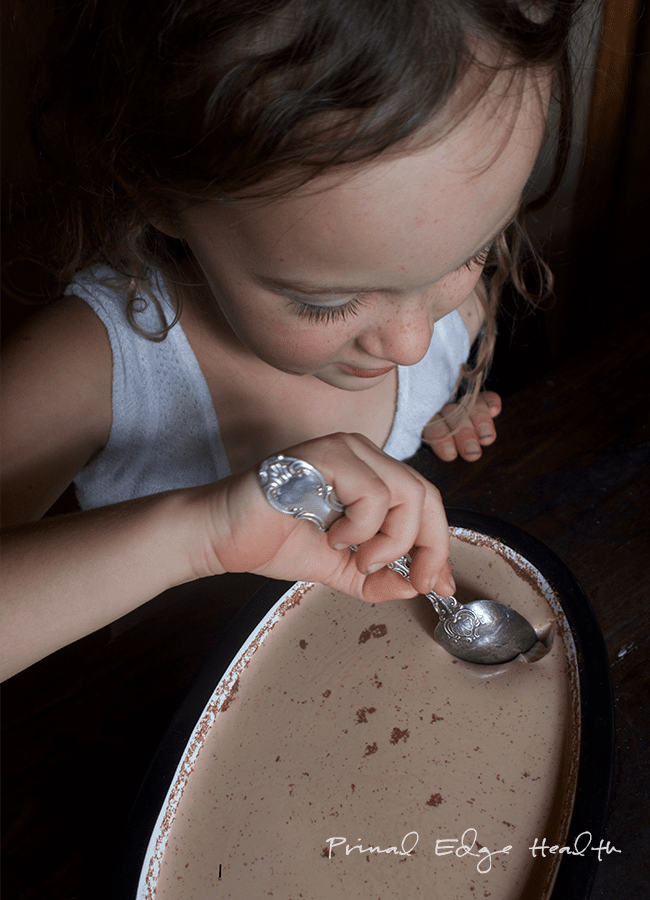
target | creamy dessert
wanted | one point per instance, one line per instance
(346, 755)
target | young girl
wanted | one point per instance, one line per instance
(278, 216)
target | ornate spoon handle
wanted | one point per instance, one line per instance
(295, 487)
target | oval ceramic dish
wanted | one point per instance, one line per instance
(330, 750)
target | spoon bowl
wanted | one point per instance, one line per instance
(485, 632)
(482, 631)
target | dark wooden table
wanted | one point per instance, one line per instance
(571, 466)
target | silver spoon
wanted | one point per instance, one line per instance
(481, 631)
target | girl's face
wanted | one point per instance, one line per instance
(345, 278)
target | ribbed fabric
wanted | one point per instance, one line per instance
(165, 433)
(425, 387)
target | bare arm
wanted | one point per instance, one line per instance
(55, 406)
(67, 576)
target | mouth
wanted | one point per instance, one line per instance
(365, 373)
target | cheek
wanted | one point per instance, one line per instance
(282, 339)
(460, 286)
(452, 291)
(307, 342)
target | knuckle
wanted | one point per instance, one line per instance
(431, 494)
(420, 493)
(381, 490)
(339, 438)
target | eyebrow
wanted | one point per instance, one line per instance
(297, 287)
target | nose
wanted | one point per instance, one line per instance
(402, 336)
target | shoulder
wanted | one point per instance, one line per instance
(61, 338)
(56, 402)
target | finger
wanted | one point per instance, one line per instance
(445, 450)
(445, 584)
(369, 484)
(439, 437)
(355, 469)
(467, 441)
(438, 429)
(382, 585)
(464, 440)
(399, 531)
(387, 585)
(483, 428)
(400, 526)
(430, 564)
(414, 516)
(389, 508)
(493, 401)
(487, 406)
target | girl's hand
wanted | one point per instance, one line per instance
(472, 431)
(389, 509)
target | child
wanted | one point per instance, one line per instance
(278, 215)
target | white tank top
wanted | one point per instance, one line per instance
(165, 435)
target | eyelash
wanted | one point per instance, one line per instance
(480, 259)
(326, 314)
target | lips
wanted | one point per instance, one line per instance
(365, 373)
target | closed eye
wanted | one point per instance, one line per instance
(321, 313)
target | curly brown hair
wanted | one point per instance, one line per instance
(162, 102)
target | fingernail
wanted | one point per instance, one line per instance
(484, 431)
(339, 546)
(375, 567)
(447, 452)
(472, 448)
(448, 587)
(437, 432)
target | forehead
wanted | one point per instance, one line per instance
(423, 212)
